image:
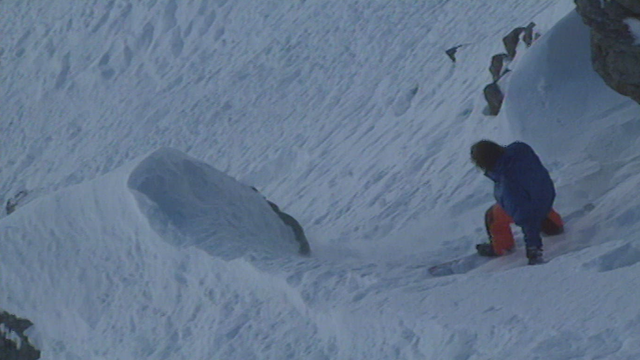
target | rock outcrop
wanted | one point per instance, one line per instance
(511, 41)
(492, 92)
(14, 344)
(451, 52)
(295, 226)
(497, 65)
(14, 201)
(615, 52)
(494, 97)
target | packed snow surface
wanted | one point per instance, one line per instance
(634, 28)
(137, 129)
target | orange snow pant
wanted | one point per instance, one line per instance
(498, 224)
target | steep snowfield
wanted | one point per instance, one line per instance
(350, 117)
(347, 114)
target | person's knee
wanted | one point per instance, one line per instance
(503, 244)
(552, 225)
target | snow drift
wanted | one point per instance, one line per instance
(587, 133)
(190, 203)
(139, 228)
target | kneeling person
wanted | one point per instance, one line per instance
(524, 193)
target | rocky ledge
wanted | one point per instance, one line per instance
(615, 42)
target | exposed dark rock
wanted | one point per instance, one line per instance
(11, 206)
(497, 64)
(295, 226)
(14, 344)
(13, 202)
(298, 232)
(633, 5)
(613, 53)
(494, 97)
(492, 92)
(529, 36)
(511, 41)
(452, 52)
(607, 21)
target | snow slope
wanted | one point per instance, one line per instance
(567, 112)
(350, 117)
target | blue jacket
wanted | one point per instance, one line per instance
(524, 189)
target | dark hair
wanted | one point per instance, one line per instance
(485, 154)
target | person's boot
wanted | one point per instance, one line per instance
(486, 249)
(534, 254)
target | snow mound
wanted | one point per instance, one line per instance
(97, 258)
(188, 202)
(555, 100)
(586, 133)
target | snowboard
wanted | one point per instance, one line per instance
(459, 266)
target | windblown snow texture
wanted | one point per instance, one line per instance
(190, 203)
(127, 123)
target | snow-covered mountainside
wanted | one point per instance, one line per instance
(138, 128)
